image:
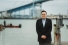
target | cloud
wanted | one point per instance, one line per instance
(55, 7)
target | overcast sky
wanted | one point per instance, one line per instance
(52, 7)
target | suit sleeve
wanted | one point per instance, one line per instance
(37, 29)
(50, 29)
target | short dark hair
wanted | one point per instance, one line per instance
(43, 11)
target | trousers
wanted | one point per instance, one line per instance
(45, 43)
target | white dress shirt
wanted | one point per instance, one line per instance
(43, 21)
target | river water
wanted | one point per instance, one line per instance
(27, 34)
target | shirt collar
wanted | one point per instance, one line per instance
(44, 19)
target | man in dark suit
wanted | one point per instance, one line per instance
(43, 29)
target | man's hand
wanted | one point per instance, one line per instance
(43, 37)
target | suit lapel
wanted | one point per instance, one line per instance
(41, 23)
(46, 22)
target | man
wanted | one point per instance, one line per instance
(43, 29)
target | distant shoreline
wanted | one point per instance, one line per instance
(30, 18)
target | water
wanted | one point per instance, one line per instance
(27, 34)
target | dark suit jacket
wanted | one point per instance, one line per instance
(44, 30)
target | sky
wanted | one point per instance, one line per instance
(52, 7)
(56, 7)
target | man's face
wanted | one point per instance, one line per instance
(44, 14)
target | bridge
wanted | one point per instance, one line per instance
(32, 9)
